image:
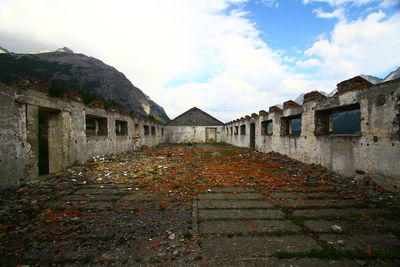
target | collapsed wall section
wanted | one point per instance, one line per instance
(355, 132)
(44, 135)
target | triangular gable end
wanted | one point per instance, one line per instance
(195, 117)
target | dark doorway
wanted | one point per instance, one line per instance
(252, 135)
(211, 135)
(43, 136)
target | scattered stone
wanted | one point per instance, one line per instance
(171, 236)
(337, 228)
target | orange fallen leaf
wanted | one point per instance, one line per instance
(156, 245)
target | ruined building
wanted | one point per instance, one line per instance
(355, 132)
(195, 126)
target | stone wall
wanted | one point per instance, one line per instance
(194, 134)
(373, 152)
(76, 132)
(68, 136)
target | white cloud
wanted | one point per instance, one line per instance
(341, 2)
(366, 46)
(389, 3)
(337, 13)
(208, 58)
(270, 3)
(309, 63)
(155, 43)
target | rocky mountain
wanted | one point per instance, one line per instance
(393, 75)
(371, 79)
(77, 72)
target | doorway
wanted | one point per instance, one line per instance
(43, 142)
(252, 135)
(211, 135)
(50, 142)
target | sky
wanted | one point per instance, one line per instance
(229, 58)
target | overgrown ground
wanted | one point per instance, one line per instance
(204, 205)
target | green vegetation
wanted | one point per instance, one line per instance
(156, 118)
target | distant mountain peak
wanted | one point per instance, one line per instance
(3, 50)
(64, 50)
(371, 79)
(393, 75)
(59, 50)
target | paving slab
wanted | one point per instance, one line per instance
(232, 189)
(273, 262)
(374, 242)
(241, 214)
(311, 195)
(256, 246)
(338, 212)
(325, 226)
(228, 196)
(102, 186)
(141, 197)
(89, 197)
(136, 205)
(316, 202)
(89, 205)
(309, 189)
(96, 191)
(247, 226)
(233, 204)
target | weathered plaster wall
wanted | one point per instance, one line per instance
(375, 152)
(193, 134)
(13, 144)
(67, 139)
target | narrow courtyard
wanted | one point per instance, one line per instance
(199, 205)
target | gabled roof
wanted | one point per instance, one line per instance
(195, 117)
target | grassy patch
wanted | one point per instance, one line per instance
(121, 194)
(229, 153)
(394, 215)
(394, 231)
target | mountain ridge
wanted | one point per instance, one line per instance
(78, 72)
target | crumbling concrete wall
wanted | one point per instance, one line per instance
(68, 138)
(194, 134)
(374, 152)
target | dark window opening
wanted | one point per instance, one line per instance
(236, 130)
(121, 128)
(162, 131)
(146, 130)
(266, 127)
(231, 130)
(345, 120)
(291, 125)
(153, 130)
(243, 129)
(295, 126)
(95, 126)
(136, 130)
